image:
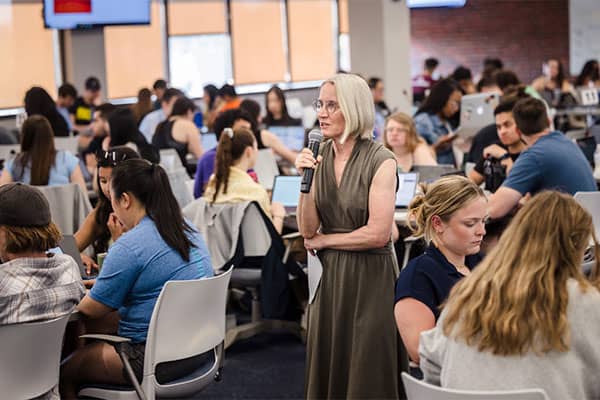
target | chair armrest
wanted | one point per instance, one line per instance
(410, 239)
(112, 339)
(291, 236)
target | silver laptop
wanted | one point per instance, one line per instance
(291, 136)
(476, 112)
(430, 173)
(286, 190)
(407, 186)
(68, 246)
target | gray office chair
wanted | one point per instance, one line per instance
(69, 206)
(419, 390)
(188, 320)
(30, 357)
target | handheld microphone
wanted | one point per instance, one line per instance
(314, 141)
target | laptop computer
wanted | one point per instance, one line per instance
(476, 112)
(407, 186)
(430, 173)
(291, 136)
(68, 246)
(286, 190)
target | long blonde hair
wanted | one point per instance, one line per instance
(516, 299)
(443, 198)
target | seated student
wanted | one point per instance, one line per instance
(36, 285)
(589, 75)
(527, 317)
(209, 112)
(422, 82)
(149, 123)
(99, 128)
(143, 105)
(264, 138)
(159, 246)
(551, 161)
(102, 226)
(450, 214)
(236, 154)
(400, 136)
(179, 131)
(234, 119)
(433, 118)
(123, 131)
(159, 87)
(39, 102)
(277, 113)
(553, 81)
(39, 163)
(65, 100)
(382, 111)
(498, 158)
(227, 98)
(462, 75)
(83, 108)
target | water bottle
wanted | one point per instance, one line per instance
(597, 163)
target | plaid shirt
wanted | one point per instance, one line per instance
(37, 289)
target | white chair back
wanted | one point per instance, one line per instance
(188, 320)
(9, 151)
(69, 206)
(419, 390)
(266, 168)
(30, 360)
(255, 235)
(179, 178)
(591, 202)
(69, 144)
(169, 159)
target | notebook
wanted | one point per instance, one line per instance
(291, 136)
(407, 186)
(286, 190)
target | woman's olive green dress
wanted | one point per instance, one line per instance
(352, 339)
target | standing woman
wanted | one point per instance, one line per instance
(347, 219)
(277, 112)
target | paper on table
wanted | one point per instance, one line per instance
(315, 269)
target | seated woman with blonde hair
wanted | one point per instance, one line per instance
(400, 136)
(236, 154)
(527, 317)
(450, 214)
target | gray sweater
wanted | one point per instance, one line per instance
(567, 375)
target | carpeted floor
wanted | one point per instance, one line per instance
(267, 366)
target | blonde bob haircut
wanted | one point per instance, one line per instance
(516, 300)
(412, 138)
(443, 198)
(356, 104)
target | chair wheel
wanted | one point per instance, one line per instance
(218, 376)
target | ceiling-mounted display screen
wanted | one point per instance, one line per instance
(435, 3)
(74, 14)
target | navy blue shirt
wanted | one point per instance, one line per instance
(553, 162)
(430, 277)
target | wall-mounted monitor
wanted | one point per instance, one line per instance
(435, 3)
(76, 14)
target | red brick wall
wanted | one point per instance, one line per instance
(523, 33)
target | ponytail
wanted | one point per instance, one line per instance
(231, 147)
(149, 183)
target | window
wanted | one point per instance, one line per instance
(134, 56)
(344, 38)
(27, 50)
(257, 37)
(199, 45)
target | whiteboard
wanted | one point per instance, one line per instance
(584, 31)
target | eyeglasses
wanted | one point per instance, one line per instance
(329, 106)
(109, 158)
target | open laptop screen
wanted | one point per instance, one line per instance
(407, 185)
(291, 136)
(286, 190)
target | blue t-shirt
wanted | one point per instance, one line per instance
(135, 270)
(431, 128)
(204, 169)
(430, 277)
(60, 173)
(553, 162)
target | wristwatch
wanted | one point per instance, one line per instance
(504, 157)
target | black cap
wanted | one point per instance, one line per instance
(23, 206)
(92, 83)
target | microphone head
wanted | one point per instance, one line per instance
(315, 136)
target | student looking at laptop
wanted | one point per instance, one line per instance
(551, 161)
(400, 136)
(101, 226)
(236, 154)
